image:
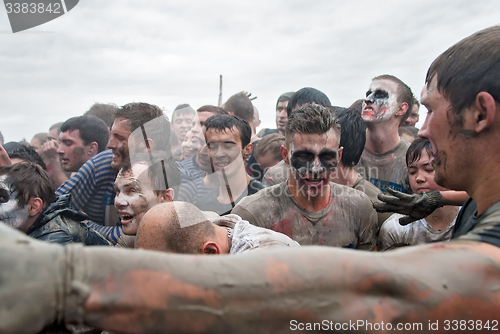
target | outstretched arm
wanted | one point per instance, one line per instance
(417, 206)
(133, 291)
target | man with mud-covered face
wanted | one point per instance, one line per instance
(91, 188)
(308, 207)
(388, 102)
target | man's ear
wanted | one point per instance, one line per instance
(284, 154)
(247, 150)
(35, 206)
(484, 111)
(210, 248)
(93, 148)
(402, 109)
(339, 154)
(167, 195)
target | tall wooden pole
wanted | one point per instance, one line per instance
(220, 90)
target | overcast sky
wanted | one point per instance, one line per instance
(172, 52)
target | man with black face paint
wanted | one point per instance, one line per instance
(308, 207)
(388, 102)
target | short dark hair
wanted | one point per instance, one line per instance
(138, 113)
(30, 180)
(405, 95)
(91, 129)
(270, 143)
(228, 122)
(467, 68)
(284, 97)
(151, 117)
(414, 152)
(353, 135)
(307, 95)
(241, 106)
(24, 152)
(104, 111)
(212, 108)
(182, 109)
(311, 119)
(162, 171)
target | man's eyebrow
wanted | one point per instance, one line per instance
(224, 142)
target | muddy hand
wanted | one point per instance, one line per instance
(414, 206)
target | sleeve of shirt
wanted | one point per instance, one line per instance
(80, 185)
(387, 238)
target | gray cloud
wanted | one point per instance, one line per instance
(166, 53)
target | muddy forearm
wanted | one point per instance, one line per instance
(264, 292)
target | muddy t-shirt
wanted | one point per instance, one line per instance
(386, 170)
(485, 227)
(392, 234)
(349, 221)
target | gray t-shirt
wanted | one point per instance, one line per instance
(386, 170)
(349, 221)
(392, 234)
(245, 237)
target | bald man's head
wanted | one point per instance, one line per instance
(176, 227)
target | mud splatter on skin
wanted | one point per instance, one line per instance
(79, 151)
(263, 292)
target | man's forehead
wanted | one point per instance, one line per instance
(214, 135)
(120, 125)
(137, 173)
(70, 134)
(385, 84)
(429, 92)
(329, 140)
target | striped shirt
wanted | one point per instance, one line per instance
(91, 189)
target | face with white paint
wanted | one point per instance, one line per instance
(381, 102)
(134, 197)
(12, 213)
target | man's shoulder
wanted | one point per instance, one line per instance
(264, 197)
(486, 228)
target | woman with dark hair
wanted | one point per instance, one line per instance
(438, 226)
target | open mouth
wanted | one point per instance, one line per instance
(222, 164)
(126, 218)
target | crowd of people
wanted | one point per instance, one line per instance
(362, 178)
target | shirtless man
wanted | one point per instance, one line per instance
(406, 290)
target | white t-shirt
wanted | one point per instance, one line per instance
(392, 234)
